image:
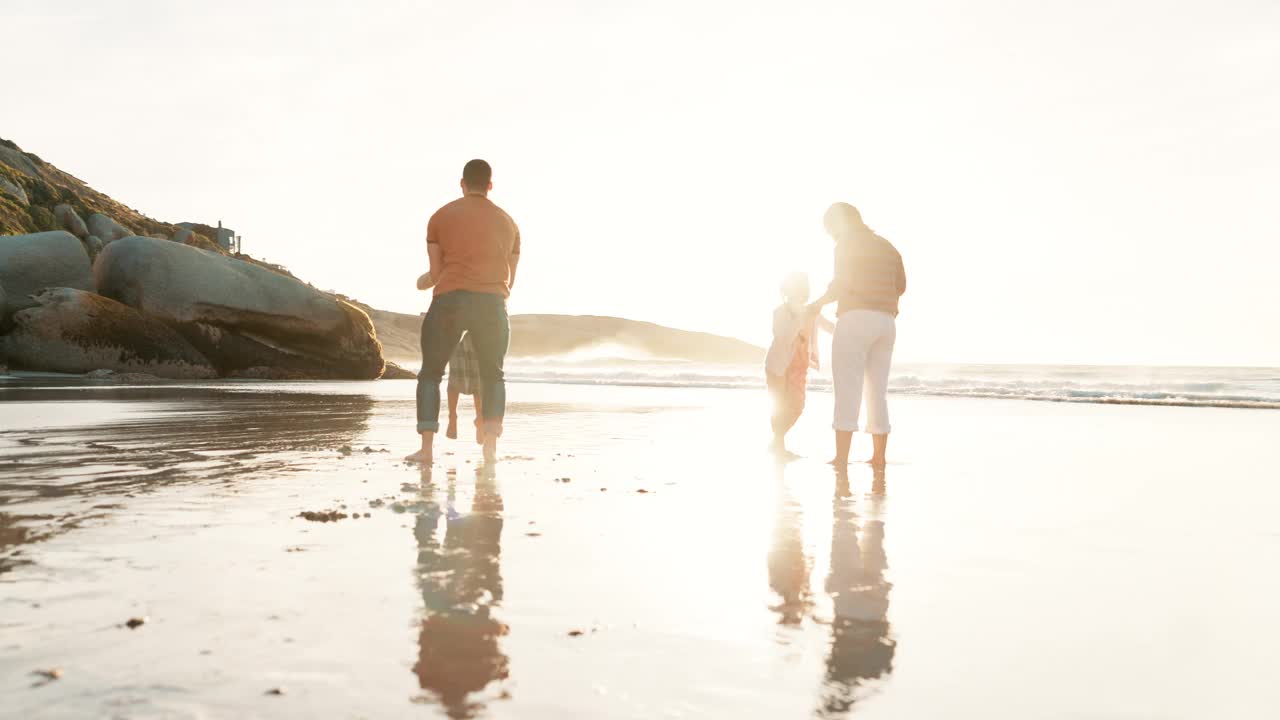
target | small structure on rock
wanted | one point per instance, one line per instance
(225, 238)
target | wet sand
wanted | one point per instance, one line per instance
(634, 555)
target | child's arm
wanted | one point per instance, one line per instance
(824, 323)
(426, 281)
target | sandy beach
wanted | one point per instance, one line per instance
(633, 555)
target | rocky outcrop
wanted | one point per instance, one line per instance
(70, 221)
(237, 314)
(14, 191)
(74, 331)
(30, 263)
(254, 319)
(106, 229)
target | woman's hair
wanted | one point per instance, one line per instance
(843, 219)
(795, 283)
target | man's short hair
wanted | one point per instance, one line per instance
(477, 175)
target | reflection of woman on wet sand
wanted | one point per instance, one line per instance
(461, 581)
(861, 647)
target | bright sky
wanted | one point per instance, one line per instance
(1067, 181)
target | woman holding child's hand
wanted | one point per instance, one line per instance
(867, 280)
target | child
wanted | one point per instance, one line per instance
(794, 350)
(464, 375)
(464, 379)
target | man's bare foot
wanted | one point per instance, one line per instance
(423, 456)
(876, 462)
(452, 431)
(490, 448)
(839, 462)
(479, 432)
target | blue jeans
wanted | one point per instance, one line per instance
(483, 316)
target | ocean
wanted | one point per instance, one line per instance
(1238, 387)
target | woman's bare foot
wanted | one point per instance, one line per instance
(879, 448)
(479, 432)
(844, 441)
(452, 431)
(490, 448)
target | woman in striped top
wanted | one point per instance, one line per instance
(866, 282)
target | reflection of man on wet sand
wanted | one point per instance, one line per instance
(861, 648)
(461, 580)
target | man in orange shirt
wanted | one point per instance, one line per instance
(474, 248)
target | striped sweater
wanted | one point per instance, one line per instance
(868, 274)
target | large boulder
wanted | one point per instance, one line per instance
(30, 263)
(70, 221)
(74, 331)
(238, 314)
(252, 355)
(106, 229)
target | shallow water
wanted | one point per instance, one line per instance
(1016, 560)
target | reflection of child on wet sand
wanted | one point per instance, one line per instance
(794, 350)
(464, 375)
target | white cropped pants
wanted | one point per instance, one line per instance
(861, 353)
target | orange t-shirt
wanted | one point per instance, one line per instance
(477, 241)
